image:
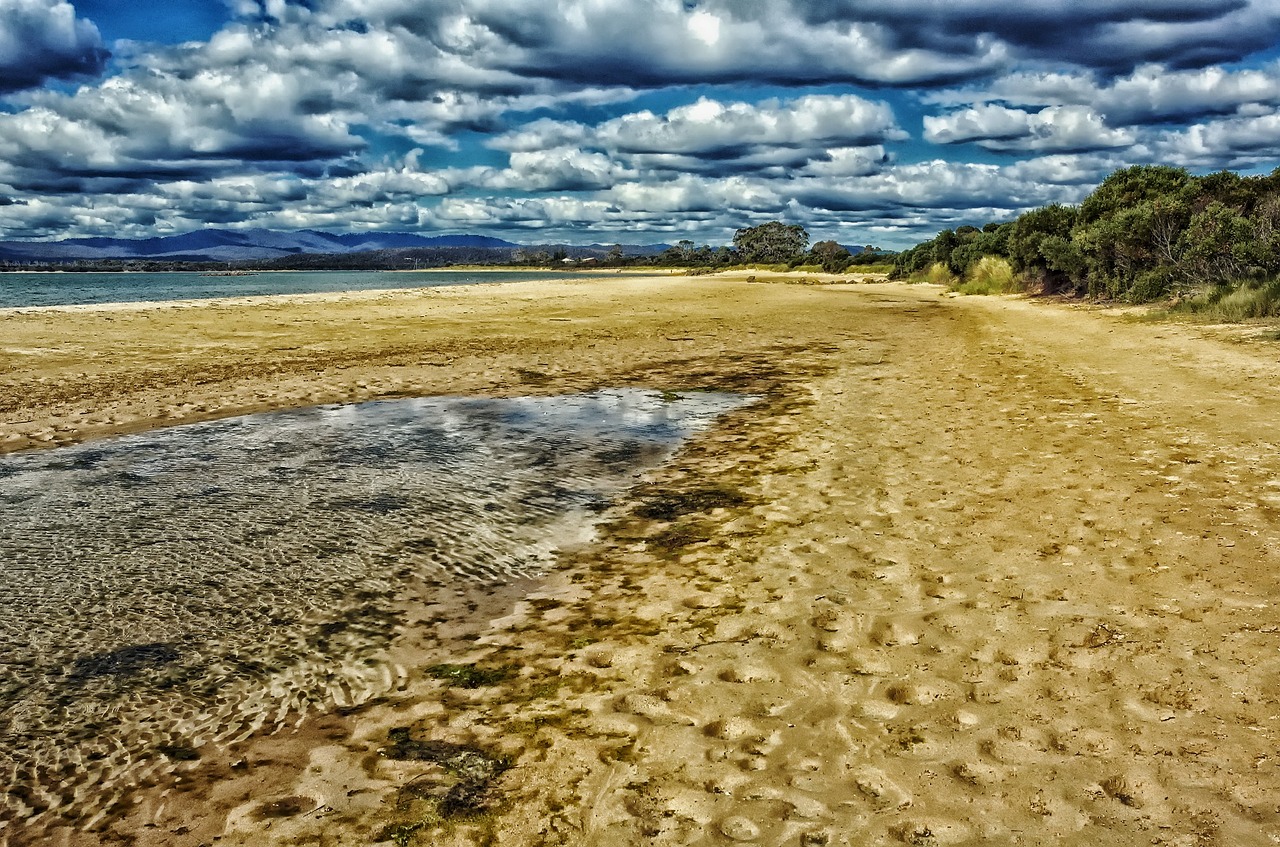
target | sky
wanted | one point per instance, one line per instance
(613, 121)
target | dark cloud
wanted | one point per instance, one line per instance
(42, 40)
(801, 42)
(1103, 34)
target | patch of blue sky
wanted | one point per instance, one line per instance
(158, 23)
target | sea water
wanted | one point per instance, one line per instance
(190, 585)
(20, 290)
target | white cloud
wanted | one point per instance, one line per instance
(711, 127)
(1233, 142)
(1053, 129)
(559, 169)
(1151, 93)
(708, 135)
(654, 42)
(849, 161)
(157, 125)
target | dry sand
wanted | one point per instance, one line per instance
(975, 571)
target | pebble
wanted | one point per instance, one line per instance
(739, 828)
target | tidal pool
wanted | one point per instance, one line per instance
(190, 585)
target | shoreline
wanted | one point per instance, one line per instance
(974, 571)
(78, 392)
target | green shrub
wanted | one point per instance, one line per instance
(1151, 285)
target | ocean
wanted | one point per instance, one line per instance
(21, 290)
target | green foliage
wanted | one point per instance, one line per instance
(1040, 248)
(1250, 301)
(910, 263)
(831, 256)
(1220, 244)
(1146, 233)
(1129, 187)
(771, 242)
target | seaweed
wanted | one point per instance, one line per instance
(671, 505)
(471, 676)
(471, 772)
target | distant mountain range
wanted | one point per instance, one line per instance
(256, 245)
(222, 245)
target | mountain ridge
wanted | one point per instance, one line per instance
(226, 245)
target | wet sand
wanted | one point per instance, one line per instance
(975, 571)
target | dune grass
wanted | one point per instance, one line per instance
(991, 275)
(937, 274)
(1234, 302)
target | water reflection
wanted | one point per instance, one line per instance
(163, 590)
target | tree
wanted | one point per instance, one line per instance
(831, 256)
(943, 243)
(1220, 246)
(1040, 248)
(771, 243)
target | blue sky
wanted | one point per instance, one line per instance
(613, 120)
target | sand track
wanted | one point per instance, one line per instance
(992, 573)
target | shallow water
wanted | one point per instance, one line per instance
(164, 590)
(65, 289)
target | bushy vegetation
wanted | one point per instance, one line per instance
(771, 246)
(1241, 302)
(1147, 233)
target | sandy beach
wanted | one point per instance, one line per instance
(972, 571)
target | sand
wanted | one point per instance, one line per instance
(973, 571)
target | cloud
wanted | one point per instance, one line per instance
(1056, 129)
(709, 128)
(157, 126)
(558, 169)
(1102, 34)
(849, 161)
(303, 113)
(714, 137)
(653, 43)
(42, 40)
(1150, 94)
(1086, 169)
(1240, 142)
(935, 184)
